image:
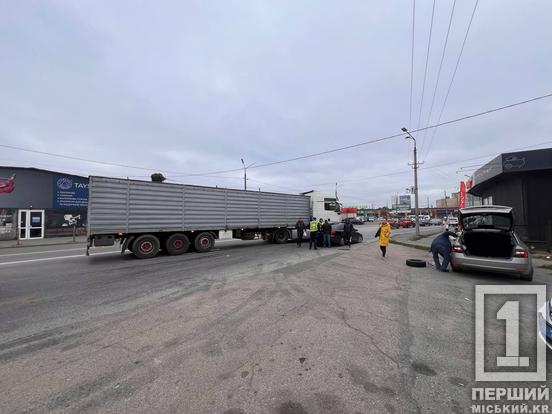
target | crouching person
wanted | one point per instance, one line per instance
(441, 246)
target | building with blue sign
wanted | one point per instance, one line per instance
(37, 203)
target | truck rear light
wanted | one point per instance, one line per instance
(457, 249)
(521, 253)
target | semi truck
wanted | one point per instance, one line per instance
(147, 217)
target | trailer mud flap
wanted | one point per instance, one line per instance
(126, 243)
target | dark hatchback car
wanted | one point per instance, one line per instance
(337, 235)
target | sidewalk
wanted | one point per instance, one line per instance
(417, 242)
(50, 241)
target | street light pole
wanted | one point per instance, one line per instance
(244, 175)
(415, 166)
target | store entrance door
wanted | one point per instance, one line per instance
(31, 224)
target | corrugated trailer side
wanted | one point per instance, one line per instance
(125, 209)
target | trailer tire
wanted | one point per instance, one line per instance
(177, 243)
(145, 246)
(280, 236)
(204, 242)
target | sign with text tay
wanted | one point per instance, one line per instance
(70, 191)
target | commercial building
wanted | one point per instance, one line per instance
(522, 180)
(448, 202)
(37, 203)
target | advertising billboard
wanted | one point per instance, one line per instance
(69, 191)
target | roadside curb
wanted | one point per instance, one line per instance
(60, 243)
(414, 246)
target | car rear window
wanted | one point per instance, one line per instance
(487, 221)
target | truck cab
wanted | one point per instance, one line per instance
(324, 206)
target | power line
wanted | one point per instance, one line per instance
(453, 77)
(426, 62)
(317, 154)
(429, 167)
(412, 61)
(439, 73)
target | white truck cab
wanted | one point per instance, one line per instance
(324, 206)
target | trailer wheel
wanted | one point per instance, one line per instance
(280, 236)
(204, 242)
(145, 246)
(176, 244)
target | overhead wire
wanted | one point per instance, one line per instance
(439, 73)
(412, 61)
(302, 157)
(426, 63)
(453, 77)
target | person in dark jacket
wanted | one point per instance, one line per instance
(348, 233)
(441, 246)
(320, 233)
(300, 226)
(327, 230)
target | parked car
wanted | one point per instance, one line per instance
(488, 242)
(405, 223)
(356, 221)
(337, 235)
(545, 323)
(451, 220)
(371, 219)
(435, 222)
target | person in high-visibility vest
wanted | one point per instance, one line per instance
(313, 228)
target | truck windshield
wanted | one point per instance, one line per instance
(330, 204)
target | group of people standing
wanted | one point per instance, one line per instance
(321, 231)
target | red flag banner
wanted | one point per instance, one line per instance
(462, 201)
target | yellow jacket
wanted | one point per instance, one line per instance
(385, 234)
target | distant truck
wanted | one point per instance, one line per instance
(147, 217)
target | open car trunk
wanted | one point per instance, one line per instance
(488, 244)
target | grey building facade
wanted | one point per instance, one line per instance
(522, 180)
(37, 203)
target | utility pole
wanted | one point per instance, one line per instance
(415, 166)
(244, 175)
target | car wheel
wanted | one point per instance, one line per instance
(528, 277)
(204, 242)
(341, 241)
(360, 238)
(280, 236)
(415, 263)
(145, 246)
(177, 243)
(455, 268)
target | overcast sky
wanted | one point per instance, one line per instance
(187, 87)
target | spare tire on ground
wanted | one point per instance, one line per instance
(415, 263)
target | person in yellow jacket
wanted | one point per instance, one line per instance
(384, 234)
(313, 228)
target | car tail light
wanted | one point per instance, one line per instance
(457, 249)
(521, 253)
(333, 232)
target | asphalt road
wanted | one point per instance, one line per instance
(250, 327)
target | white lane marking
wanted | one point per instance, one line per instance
(44, 251)
(43, 259)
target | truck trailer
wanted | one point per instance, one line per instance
(146, 217)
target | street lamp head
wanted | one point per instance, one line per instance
(403, 129)
(242, 161)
